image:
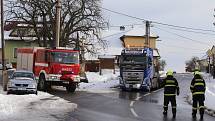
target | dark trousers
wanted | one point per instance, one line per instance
(171, 99)
(198, 99)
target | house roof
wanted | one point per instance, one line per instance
(11, 31)
(139, 32)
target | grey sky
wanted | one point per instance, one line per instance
(190, 13)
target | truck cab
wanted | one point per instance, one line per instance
(136, 68)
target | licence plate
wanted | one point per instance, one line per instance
(66, 82)
(21, 88)
(128, 85)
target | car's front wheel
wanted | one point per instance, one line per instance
(42, 83)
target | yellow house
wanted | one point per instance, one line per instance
(136, 39)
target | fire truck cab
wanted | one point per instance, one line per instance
(58, 66)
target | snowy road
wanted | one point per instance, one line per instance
(111, 104)
(96, 102)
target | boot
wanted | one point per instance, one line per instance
(201, 113)
(194, 115)
(174, 112)
(201, 116)
(165, 112)
(174, 115)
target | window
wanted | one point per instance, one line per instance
(15, 52)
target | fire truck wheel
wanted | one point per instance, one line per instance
(71, 87)
(41, 85)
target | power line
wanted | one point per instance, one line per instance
(124, 14)
(183, 36)
(180, 29)
(144, 20)
(180, 47)
(115, 34)
(174, 52)
(183, 27)
(203, 57)
(129, 25)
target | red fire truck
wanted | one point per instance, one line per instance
(58, 66)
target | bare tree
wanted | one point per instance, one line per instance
(192, 64)
(78, 16)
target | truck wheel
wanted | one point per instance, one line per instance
(123, 88)
(150, 86)
(71, 87)
(42, 83)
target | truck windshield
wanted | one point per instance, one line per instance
(137, 59)
(65, 57)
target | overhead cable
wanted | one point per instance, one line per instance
(197, 32)
(183, 36)
(123, 14)
(160, 23)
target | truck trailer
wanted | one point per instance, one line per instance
(137, 69)
(51, 66)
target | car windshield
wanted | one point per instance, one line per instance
(65, 57)
(23, 74)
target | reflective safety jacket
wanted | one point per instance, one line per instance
(170, 86)
(198, 86)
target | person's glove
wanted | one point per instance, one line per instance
(178, 92)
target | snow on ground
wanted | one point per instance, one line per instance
(100, 83)
(210, 91)
(32, 107)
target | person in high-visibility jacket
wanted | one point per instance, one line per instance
(198, 88)
(171, 88)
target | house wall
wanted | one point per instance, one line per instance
(106, 63)
(130, 41)
(92, 66)
(11, 44)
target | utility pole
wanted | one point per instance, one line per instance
(209, 54)
(147, 33)
(4, 73)
(213, 66)
(213, 59)
(58, 14)
(209, 65)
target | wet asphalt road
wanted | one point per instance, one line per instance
(116, 105)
